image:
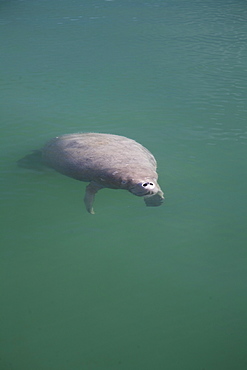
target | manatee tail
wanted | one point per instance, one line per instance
(32, 161)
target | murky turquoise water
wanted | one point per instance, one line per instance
(130, 288)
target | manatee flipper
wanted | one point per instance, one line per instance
(91, 190)
(154, 200)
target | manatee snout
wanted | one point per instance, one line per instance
(143, 188)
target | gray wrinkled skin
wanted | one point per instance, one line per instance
(105, 161)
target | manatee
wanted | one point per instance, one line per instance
(105, 161)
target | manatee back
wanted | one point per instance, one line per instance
(89, 156)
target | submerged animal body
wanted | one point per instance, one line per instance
(105, 161)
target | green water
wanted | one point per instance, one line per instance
(130, 288)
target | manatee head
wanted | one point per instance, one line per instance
(150, 190)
